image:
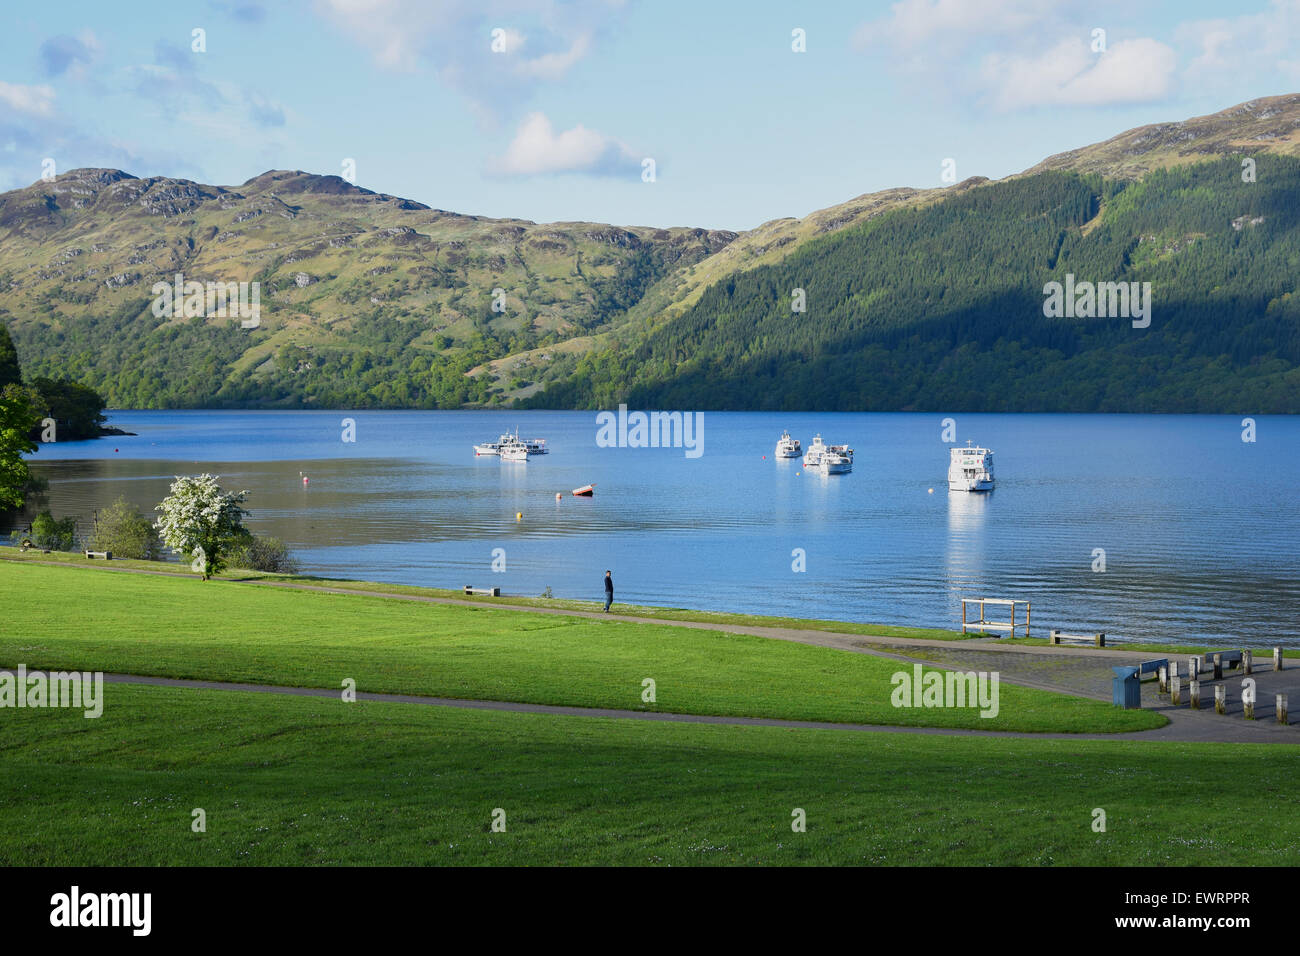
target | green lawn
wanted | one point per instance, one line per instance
(564, 604)
(81, 619)
(316, 781)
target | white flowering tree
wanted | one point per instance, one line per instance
(201, 520)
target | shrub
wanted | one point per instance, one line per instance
(122, 529)
(49, 534)
(263, 554)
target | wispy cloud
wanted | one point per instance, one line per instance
(31, 100)
(913, 24)
(495, 52)
(1244, 44)
(1071, 74)
(61, 53)
(1019, 54)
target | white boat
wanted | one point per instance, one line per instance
(813, 456)
(829, 459)
(835, 462)
(535, 446)
(970, 469)
(514, 451)
(787, 447)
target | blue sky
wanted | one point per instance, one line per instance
(556, 124)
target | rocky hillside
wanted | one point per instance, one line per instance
(1270, 126)
(342, 270)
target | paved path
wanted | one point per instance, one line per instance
(1082, 671)
(522, 708)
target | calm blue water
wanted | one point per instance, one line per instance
(1201, 530)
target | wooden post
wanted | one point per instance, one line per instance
(1101, 640)
(1194, 693)
(1281, 709)
(1218, 666)
(1277, 658)
(1193, 667)
(1173, 668)
(1248, 706)
(1164, 680)
(1245, 662)
(963, 617)
(1027, 610)
(1220, 699)
(1175, 690)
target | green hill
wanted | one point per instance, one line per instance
(916, 298)
(942, 307)
(366, 299)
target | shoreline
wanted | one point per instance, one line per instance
(884, 634)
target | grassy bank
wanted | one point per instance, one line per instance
(80, 619)
(563, 604)
(311, 781)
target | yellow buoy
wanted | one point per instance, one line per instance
(519, 515)
(931, 491)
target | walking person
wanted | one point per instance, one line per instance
(609, 591)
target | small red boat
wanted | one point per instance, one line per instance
(585, 491)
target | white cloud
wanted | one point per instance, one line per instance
(1245, 44)
(33, 100)
(538, 150)
(913, 23)
(552, 66)
(544, 40)
(1070, 74)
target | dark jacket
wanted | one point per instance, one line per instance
(609, 585)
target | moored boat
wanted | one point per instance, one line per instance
(534, 446)
(813, 456)
(787, 447)
(835, 462)
(514, 451)
(586, 491)
(970, 469)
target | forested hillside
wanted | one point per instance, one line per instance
(941, 307)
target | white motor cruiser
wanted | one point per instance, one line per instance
(812, 458)
(970, 469)
(787, 447)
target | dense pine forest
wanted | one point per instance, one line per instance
(941, 307)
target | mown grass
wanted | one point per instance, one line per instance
(564, 604)
(287, 781)
(76, 619)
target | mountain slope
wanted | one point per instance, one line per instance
(370, 299)
(944, 307)
(374, 288)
